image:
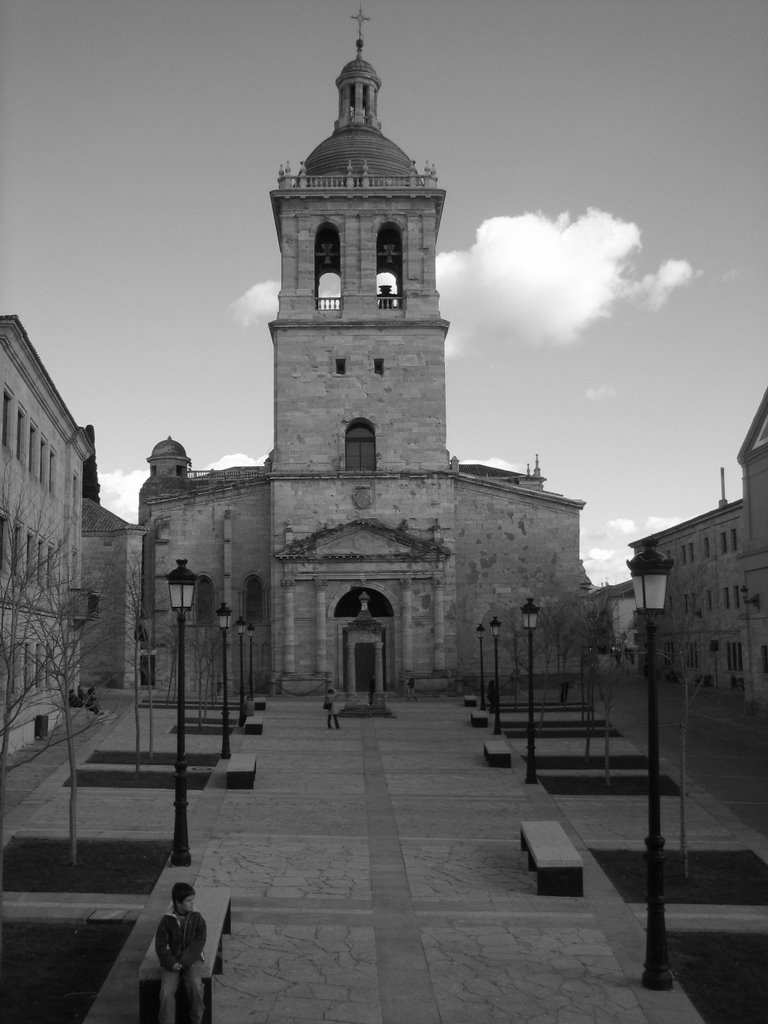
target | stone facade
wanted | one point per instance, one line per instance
(112, 565)
(42, 451)
(753, 558)
(375, 552)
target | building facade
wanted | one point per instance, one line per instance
(111, 565)
(42, 451)
(753, 558)
(361, 552)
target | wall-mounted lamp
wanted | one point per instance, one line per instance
(746, 599)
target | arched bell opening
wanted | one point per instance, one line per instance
(389, 268)
(327, 269)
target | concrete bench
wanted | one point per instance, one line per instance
(497, 753)
(479, 719)
(254, 725)
(559, 867)
(469, 701)
(215, 904)
(259, 703)
(241, 771)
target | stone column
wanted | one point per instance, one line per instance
(438, 658)
(351, 692)
(321, 642)
(289, 631)
(378, 696)
(406, 625)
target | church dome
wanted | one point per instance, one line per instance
(357, 141)
(169, 447)
(356, 146)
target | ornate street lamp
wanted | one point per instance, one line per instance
(240, 631)
(650, 570)
(480, 634)
(530, 613)
(251, 631)
(495, 627)
(181, 590)
(223, 615)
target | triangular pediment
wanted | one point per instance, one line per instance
(362, 539)
(757, 435)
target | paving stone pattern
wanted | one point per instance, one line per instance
(377, 876)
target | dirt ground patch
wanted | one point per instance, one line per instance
(112, 866)
(730, 877)
(60, 988)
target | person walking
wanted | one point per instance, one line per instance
(329, 706)
(411, 692)
(179, 943)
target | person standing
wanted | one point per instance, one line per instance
(179, 943)
(411, 694)
(329, 704)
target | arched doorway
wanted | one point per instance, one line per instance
(348, 609)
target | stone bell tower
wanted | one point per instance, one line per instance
(360, 475)
(358, 339)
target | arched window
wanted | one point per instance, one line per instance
(254, 600)
(327, 269)
(389, 268)
(205, 603)
(360, 447)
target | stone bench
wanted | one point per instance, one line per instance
(215, 904)
(241, 771)
(559, 867)
(259, 703)
(470, 701)
(479, 719)
(497, 753)
(254, 725)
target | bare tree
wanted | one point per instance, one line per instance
(684, 642)
(38, 607)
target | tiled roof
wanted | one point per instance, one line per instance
(97, 519)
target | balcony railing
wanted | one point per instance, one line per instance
(361, 178)
(325, 305)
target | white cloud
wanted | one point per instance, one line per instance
(623, 527)
(120, 492)
(532, 280)
(511, 467)
(601, 393)
(228, 461)
(257, 305)
(655, 289)
(655, 524)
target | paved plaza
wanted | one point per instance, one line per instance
(377, 876)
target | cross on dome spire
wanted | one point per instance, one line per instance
(359, 18)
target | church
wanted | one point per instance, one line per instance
(361, 554)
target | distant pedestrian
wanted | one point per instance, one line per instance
(92, 702)
(410, 693)
(329, 706)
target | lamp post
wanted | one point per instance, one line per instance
(251, 631)
(240, 631)
(223, 615)
(181, 590)
(650, 570)
(480, 634)
(530, 613)
(495, 627)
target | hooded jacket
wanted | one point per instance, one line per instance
(180, 939)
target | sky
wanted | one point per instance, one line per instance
(602, 254)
